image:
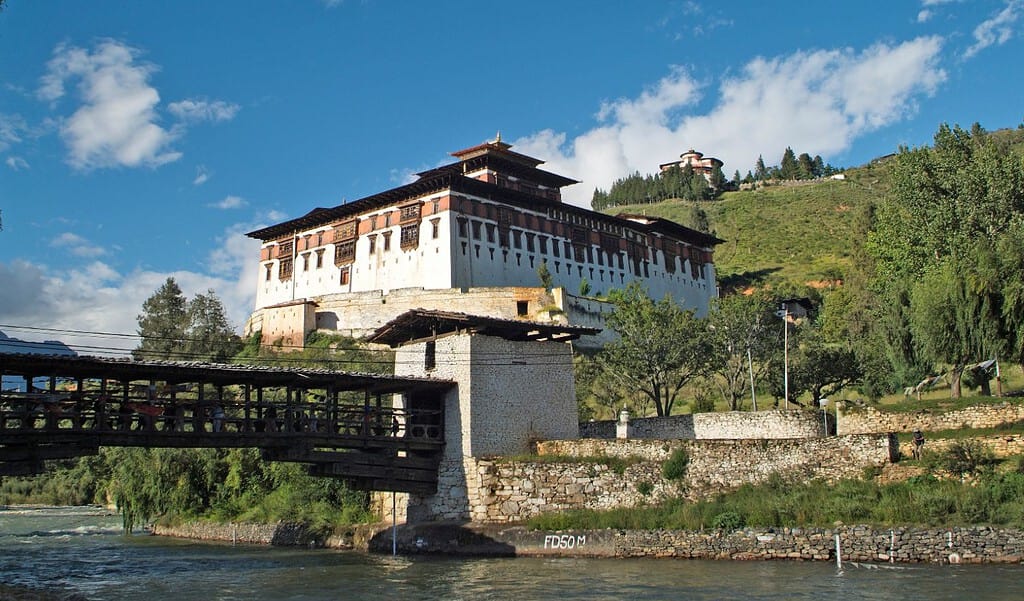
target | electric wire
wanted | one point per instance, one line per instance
(363, 356)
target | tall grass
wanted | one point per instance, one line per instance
(993, 499)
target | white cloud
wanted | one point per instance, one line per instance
(998, 29)
(194, 111)
(17, 163)
(116, 122)
(230, 202)
(924, 16)
(11, 127)
(39, 296)
(202, 176)
(79, 246)
(816, 102)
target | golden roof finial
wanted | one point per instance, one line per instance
(497, 140)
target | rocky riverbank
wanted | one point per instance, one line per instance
(856, 543)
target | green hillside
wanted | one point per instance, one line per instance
(797, 233)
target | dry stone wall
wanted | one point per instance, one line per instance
(735, 425)
(511, 490)
(870, 420)
(1001, 446)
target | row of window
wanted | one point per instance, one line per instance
(577, 249)
(345, 252)
(347, 230)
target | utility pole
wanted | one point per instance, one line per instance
(783, 312)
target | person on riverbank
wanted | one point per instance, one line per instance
(918, 442)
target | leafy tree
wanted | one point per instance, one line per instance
(163, 323)
(822, 369)
(737, 324)
(952, 323)
(1010, 253)
(660, 346)
(947, 235)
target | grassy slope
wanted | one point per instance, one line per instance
(797, 233)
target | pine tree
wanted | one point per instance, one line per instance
(788, 168)
(805, 166)
(210, 337)
(760, 171)
(173, 328)
(819, 166)
(699, 220)
(717, 178)
(162, 323)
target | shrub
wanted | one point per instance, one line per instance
(967, 457)
(728, 521)
(676, 465)
(702, 402)
(644, 488)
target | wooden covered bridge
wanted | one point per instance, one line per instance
(341, 424)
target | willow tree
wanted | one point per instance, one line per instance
(660, 346)
(948, 233)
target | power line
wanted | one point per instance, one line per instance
(274, 346)
(496, 359)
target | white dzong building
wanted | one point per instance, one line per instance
(468, 236)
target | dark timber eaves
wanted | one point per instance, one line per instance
(420, 325)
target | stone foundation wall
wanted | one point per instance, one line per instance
(869, 420)
(511, 491)
(283, 534)
(736, 425)
(358, 314)
(856, 543)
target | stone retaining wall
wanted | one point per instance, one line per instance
(737, 425)
(512, 490)
(856, 543)
(870, 420)
(1000, 446)
(282, 534)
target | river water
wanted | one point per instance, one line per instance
(82, 550)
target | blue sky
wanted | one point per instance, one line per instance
(140, 140)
